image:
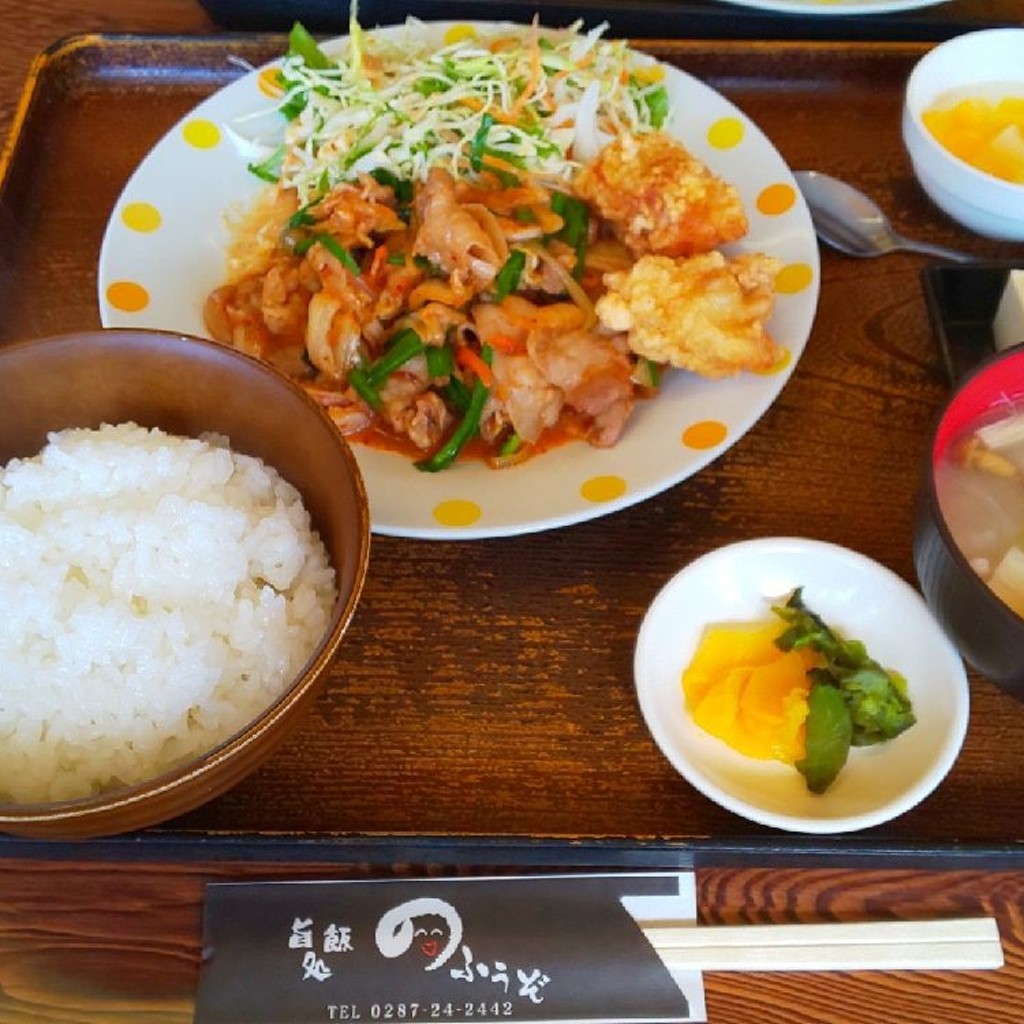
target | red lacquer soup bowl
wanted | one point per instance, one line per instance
(987, 631)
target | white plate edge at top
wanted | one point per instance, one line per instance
(835, 8)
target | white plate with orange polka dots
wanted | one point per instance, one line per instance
(165, 249)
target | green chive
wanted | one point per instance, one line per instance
(296, 104)
(448, 452)
(456, 394)
(513, 443)
(336, 249)
(302, 44)
(479, 144)
(575, 223)
(507, 279)
(269, 169)
(301, 218)
(401, 348)
(657, 105)
(402, 187)
(440, 361)
(366, 391)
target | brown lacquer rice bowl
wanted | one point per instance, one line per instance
(190, 387)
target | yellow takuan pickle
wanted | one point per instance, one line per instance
(987, 134)
(742, 689)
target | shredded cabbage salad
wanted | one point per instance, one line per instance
(516, 101)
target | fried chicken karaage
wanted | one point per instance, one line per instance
(659, 198)
(705, 314)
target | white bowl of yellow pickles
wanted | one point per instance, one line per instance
(801, 685)
(963, 128)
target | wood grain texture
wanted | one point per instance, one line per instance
(92, 943)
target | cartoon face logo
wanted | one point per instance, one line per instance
(431, 925)
(430, 936)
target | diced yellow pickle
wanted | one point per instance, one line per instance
(988, 134)
(741, 688)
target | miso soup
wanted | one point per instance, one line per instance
(980, 487)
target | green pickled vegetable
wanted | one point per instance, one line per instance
(829, 732)
(876, 704)
(879, 705)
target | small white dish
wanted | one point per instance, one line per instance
(984, 64)
(858, 598)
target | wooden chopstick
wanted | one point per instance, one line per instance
(970, 943)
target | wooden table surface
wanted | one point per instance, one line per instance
(110, 931)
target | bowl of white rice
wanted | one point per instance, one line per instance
(184, 537)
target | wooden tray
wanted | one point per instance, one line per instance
(482, 707)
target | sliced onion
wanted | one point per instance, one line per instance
(571, 285)
(590, 140)
(586, 43)
(489, 223)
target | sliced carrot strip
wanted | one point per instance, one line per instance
(469, 360)
(378, 265)
(506, 344)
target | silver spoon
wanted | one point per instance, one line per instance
(851, 222)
